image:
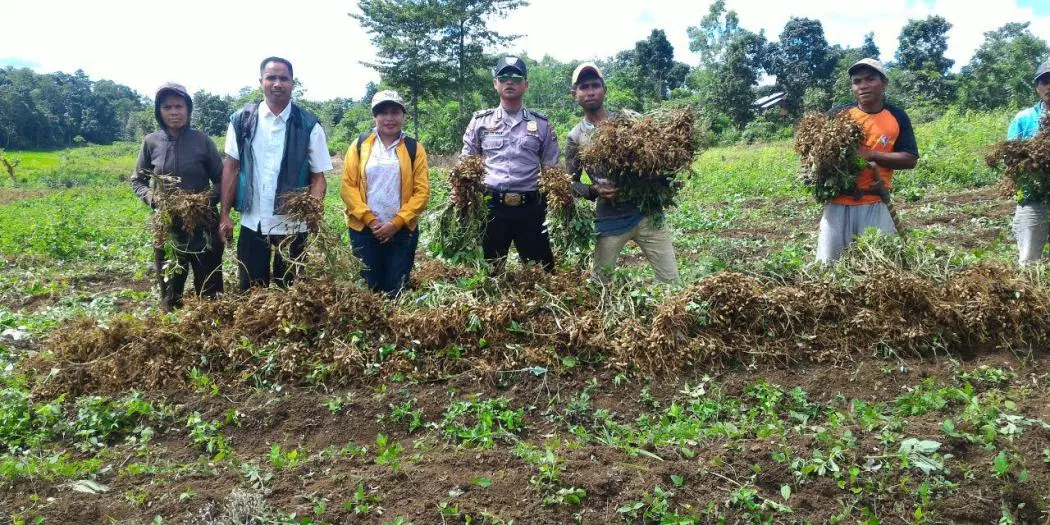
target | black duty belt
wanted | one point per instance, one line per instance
(514, 199)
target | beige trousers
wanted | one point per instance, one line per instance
(655, 243)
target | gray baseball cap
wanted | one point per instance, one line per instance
(1044, 68)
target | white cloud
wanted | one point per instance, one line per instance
(216, 45)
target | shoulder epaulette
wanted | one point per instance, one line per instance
(538, 115)
(484, 112)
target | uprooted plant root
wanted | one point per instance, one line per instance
(462, 220)
(643, 155)
(176, 207)
(827, 149)
(1025, 164)
(336, 331)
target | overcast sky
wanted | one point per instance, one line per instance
(216, 45)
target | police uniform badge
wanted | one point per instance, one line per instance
(532, 127)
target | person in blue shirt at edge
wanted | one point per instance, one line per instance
(617, 222)
(273, 149)
(1030, 220)
(514, 143)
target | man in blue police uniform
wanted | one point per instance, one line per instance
(1030, 220)
(514, 144)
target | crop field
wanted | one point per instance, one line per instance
(907, 383)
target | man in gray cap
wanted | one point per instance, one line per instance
(514, 144)
(1030, 220)
(192, 158)
(617, 222)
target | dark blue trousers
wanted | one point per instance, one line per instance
(387, 265)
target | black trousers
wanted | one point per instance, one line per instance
(521, 225)
(261, 258)
(201, 253)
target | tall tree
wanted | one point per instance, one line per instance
(923, 70)
(922, 45)
(211, 113)
(622, 81)
(623, 76)
(654, 57)
(716, 30)
(466, 36)
(869, 49)
(802, 60)
(731, 59)
(1000, 72)
(735, 74)
(408, 36)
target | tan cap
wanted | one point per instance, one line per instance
(387, 95)
(584, 67)
(867, 62)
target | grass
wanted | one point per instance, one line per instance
(562, 440)
(87, 166)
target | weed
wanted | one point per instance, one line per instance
(207, 435)
(364, 501)
(388, 453)
(479, 422)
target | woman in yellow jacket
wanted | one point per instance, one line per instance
(385, 188)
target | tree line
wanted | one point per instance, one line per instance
(414, 36)
(438, 54)
(58, 109)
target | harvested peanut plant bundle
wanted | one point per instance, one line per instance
(1025, 164)
(462, 220)
(176, 207)
(643, 155)
(570, 222)
(325, 253)
(827, 148)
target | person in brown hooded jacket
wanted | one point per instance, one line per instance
(192, 158)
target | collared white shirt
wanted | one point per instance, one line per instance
(268, 146)
(383, 179)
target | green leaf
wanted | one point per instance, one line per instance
(918, 452)
(677, 480)
(481, 481)
(1001, 464)
(785, 492)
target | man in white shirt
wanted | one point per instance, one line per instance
(272, 149)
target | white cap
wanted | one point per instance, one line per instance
(584, 67)
(388, 95)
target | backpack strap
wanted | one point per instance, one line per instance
(361, 138)
(410, 144)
